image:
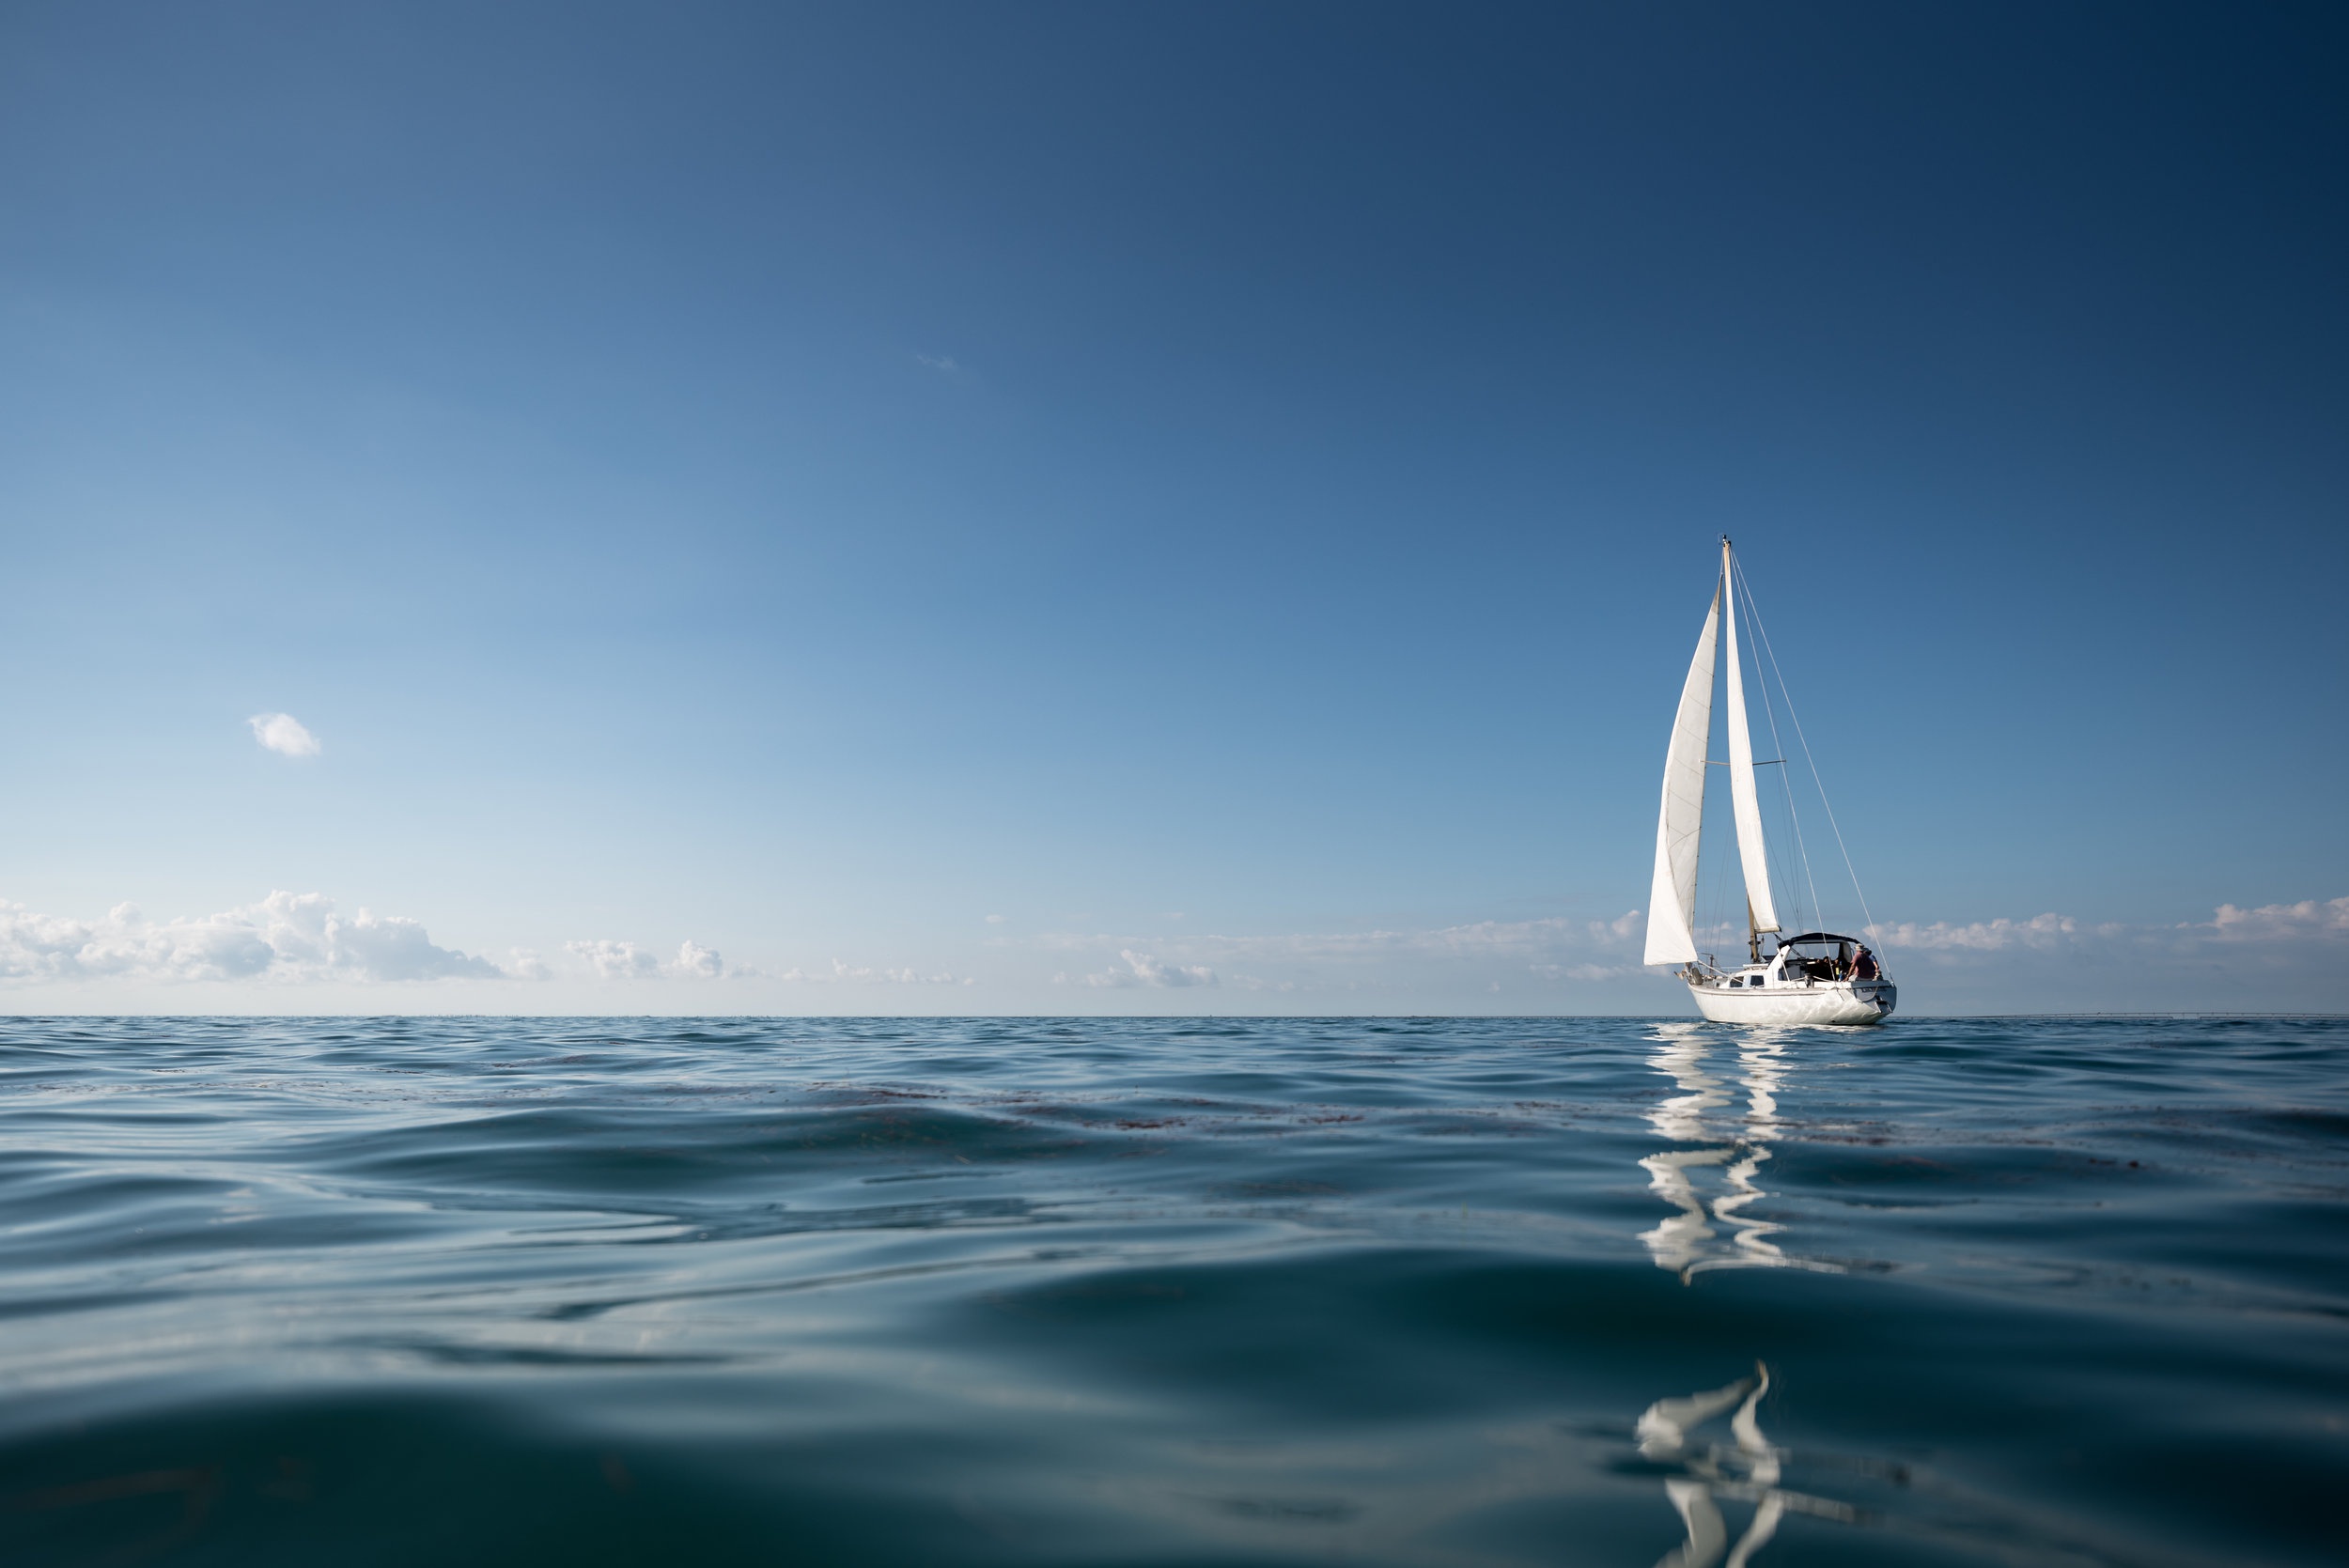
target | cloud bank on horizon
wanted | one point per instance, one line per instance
(286, 937)
(291, 941)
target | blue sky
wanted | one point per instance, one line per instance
(1090, 509)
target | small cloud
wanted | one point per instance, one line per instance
(389, 947)
(1250, 982)
(939, 362)
(284, 733)
(1583, 972)
(697, 962)
(1142, 970)
(997, 920)
(859, 974)
(615, 960)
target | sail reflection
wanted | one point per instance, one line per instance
(1746, 1469)
(1711, 1228)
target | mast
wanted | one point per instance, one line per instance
(1672, 898)
(1753, 855)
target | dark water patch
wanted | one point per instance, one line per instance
(645, 1151)
(369, 1479)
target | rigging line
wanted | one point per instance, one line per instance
(1769, 713)
(1753, 614)
(1789, 827)
(1825, 803)
(1812, 921)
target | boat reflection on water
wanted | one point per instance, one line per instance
(1745, 1470)
(1715, 1230)
(1709, 1178)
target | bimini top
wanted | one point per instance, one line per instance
(1818, 937)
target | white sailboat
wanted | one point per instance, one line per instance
(1818, 977)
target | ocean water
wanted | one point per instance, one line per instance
(1158, 1292)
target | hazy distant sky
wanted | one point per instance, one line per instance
(1131, 509)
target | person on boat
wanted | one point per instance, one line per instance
(1864, 964)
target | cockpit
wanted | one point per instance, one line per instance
(1821, 955)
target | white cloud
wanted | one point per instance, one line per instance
(1555, 935)
(285, 938)
(617, 960)
(1377, 962)
(938, 362)
(2311, 923)
(284, 733)
(1585, 972)
(2277, 957)
(1142, 970)
(613, 961)
(2307, 918)
(853, 974)
(1561, 948)
(997, 920)
(1982, 936)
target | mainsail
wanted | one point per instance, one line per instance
(1750, 853)
(1672, 902)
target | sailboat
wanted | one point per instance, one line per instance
(1816, 977)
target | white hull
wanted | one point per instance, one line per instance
(1840, 1001)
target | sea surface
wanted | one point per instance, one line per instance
(1154, 1292)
